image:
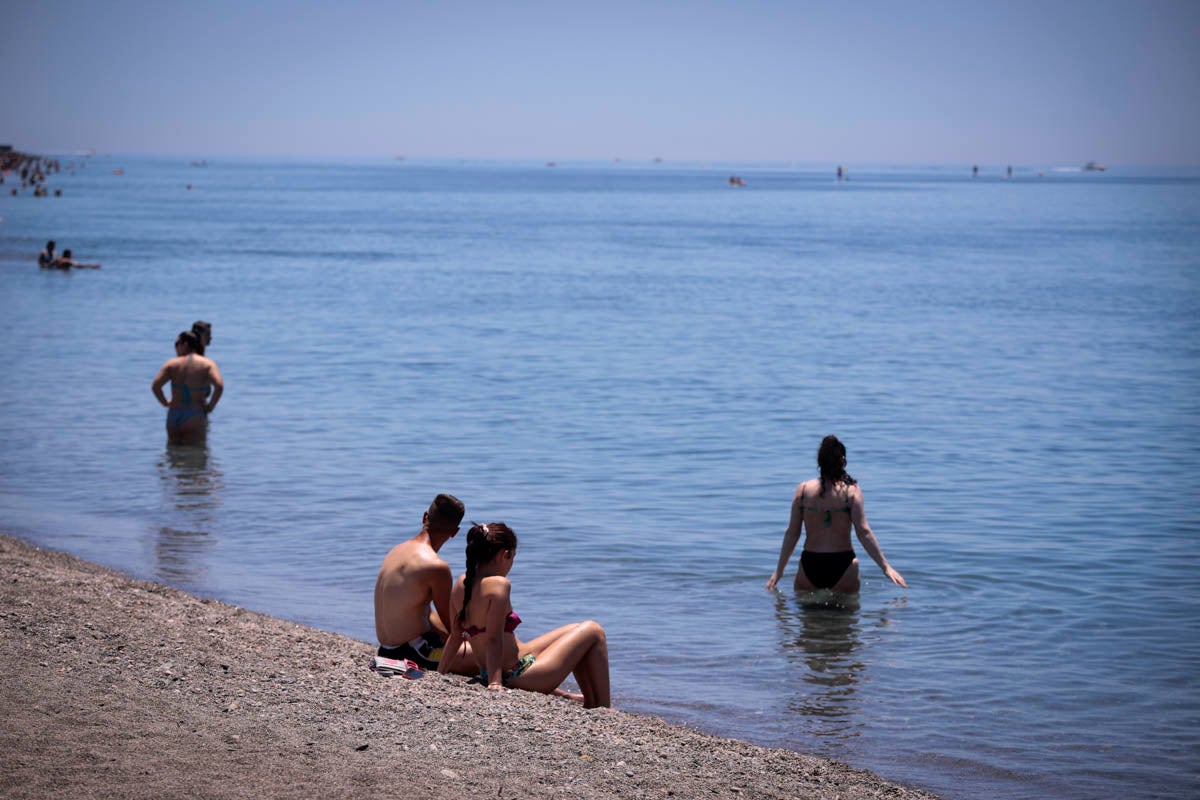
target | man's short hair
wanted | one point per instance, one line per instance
(446, 512)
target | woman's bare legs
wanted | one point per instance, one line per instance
(539, 644)
(580, 649)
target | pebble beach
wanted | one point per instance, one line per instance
(116, 687)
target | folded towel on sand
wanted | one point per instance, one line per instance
(388, 667)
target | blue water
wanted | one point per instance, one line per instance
(633, 365)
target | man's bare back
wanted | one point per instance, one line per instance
(412, 592)
(404, 592)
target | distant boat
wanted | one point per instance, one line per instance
(1092, 166)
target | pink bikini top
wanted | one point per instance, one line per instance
(510, 624)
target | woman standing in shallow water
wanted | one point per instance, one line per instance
(191, 375)
(826, 507)
(481, 611)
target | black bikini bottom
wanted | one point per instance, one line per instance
(824, 570)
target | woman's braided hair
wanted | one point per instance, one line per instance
(483, 543)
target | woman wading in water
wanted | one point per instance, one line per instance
(481, 611)
(826, 507)
(191, 376)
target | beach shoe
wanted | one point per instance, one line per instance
(388, 667)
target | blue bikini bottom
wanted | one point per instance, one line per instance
(177, 416)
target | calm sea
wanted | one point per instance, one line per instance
(633, 364)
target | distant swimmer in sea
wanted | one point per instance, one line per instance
(482, 613)
(190, 375)
(46, 258)
(412, 590)
(975, 171)
(68, 262)
(826, 507)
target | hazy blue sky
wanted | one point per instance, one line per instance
(1041, 82)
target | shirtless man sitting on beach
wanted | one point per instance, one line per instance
(412, 577)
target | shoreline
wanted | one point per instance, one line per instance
(128, 688)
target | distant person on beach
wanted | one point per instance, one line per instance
(68, 262)
(826, 507)
(203, 331)
(412, 577)
(482, 614)
(46, 258)
(191, 375)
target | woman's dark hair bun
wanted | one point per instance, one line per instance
(831, 458)
(191, 340)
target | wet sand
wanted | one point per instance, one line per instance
(116, 687)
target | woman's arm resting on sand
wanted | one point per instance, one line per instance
(497, 590)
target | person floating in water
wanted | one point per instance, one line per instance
(191, 375)
(46, 258)
(826, 507)
(67, 262)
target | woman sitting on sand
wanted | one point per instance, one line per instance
(826, 507)
(481, 611)
(191, 375)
